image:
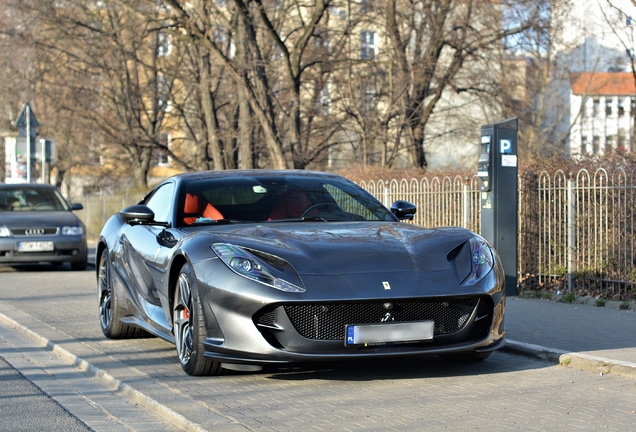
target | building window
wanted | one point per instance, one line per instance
(368, 45)
(584, 108)
(368, 98)
(608, 106)
(163, 93)
(621, 107)
(161, 157)
(609, 144)
(337, 12)
(595, 144)
(164, 44)
(321, 38)
(595, 106)
(324, 100)
(620, 140)
(583, 144)
(366, 6)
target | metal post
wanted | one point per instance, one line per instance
(43, 142)
(28, 142)
(571, 231)
(466, 203)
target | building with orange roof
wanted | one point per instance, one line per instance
(602, 106)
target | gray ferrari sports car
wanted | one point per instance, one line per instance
(241, 269)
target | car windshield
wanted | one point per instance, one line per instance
(31, 199)
(275, 198)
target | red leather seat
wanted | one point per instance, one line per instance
(192, 209)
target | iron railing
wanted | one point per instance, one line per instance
(576, 231)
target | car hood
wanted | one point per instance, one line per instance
(349, 248)
(38, 218)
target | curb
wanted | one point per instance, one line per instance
(600, 365)
(106, 380)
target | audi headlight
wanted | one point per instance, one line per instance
(72, 230)
(4, 231)
(248, 265)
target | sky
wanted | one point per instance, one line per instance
(587, 20)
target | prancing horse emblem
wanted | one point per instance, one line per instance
(386, 285)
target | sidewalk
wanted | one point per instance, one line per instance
(600, 339)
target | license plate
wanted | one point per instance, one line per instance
(36, 246)
(389, 333)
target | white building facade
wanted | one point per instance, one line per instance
(602, 106)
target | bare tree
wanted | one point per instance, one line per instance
(113, 73)
(622, 24)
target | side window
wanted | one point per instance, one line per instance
(161, 202)
(349, 203)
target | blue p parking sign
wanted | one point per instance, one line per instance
(505, 146)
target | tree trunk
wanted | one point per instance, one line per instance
(211, 126)
(141, 166)
(246, 152)
(418, 154)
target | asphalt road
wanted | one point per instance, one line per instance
(138, 384)
(25, 407)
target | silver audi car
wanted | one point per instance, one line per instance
(37, 225)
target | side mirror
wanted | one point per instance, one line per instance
(76, 206)
(403, 210)
(137, 214)
(140, 215)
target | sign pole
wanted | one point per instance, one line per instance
(28, 141)
(43, 142)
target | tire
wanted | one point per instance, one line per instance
(79, 266)
(469, 357)
(109, 309)
(188, 327)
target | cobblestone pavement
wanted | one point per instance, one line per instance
(505, 391)
(19, 395)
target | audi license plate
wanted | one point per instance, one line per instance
(389, 333)
(36, 246)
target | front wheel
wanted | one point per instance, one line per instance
(188, 327)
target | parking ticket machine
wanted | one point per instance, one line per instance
(498, 188)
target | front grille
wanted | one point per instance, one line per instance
(34, 231)
(327, 321)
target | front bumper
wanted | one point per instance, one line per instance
(66, 249)
(316, 331)
(247, 322)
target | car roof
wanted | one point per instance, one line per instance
(200, 175)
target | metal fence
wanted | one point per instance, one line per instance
(97, 210)
(576, 231)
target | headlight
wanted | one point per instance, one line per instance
(246, 264)
(4, 231)
(72, 230)
(481, 260)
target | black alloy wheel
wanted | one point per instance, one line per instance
(188, 327)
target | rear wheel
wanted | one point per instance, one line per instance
(109, 309)
(188, 327)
